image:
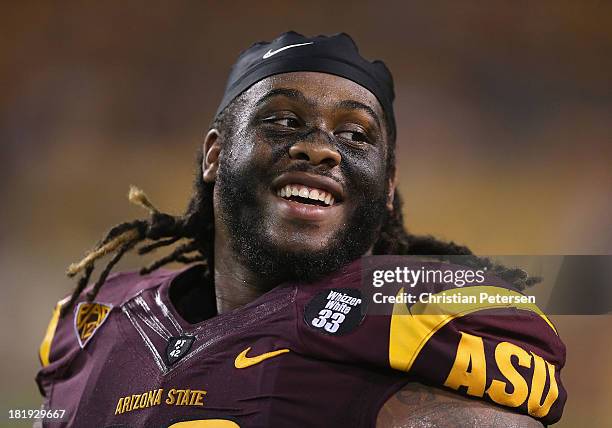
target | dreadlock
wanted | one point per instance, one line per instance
(196, 228)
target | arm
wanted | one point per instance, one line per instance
(417, 406)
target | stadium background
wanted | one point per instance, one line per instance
(503, 112)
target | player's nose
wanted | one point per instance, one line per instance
(316, 151)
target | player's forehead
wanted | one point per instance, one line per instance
(317, 89)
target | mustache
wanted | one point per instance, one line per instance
(304, 166)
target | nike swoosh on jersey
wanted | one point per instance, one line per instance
(271, 52)
(242, 361)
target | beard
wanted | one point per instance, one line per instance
(242, 213)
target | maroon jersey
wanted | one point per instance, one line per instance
(305, 355)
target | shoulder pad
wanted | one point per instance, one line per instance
(61, 341)
(506, 353)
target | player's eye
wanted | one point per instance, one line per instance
(353, 136)
(285, 121)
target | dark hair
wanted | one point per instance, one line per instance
(195, 232)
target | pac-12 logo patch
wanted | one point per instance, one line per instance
(335, 312)
(177, 348)
(88, 318)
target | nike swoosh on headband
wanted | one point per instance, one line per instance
(271, 52)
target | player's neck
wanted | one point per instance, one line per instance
(235, 284)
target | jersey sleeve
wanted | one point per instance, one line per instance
(69, 334)
(57, 348)
(44, 351)
(509, 354)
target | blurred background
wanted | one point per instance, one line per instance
(504, 119)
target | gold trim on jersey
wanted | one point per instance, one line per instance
(206, 423)
(410, 330)
(45, 346)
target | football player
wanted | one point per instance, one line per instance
(266, 325)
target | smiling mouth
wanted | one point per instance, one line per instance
(306, 195)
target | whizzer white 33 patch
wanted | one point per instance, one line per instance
(335, 312)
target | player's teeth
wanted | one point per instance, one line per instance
(306, 192)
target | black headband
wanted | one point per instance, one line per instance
(337, 54)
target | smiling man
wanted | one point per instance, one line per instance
(302, 183)
(296, 184)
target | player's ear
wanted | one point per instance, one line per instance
(391, 191)
(210, 161)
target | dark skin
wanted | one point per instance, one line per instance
(266, 118)
(332, 121)
(419, 406)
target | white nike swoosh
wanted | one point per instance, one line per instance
(271, 52)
